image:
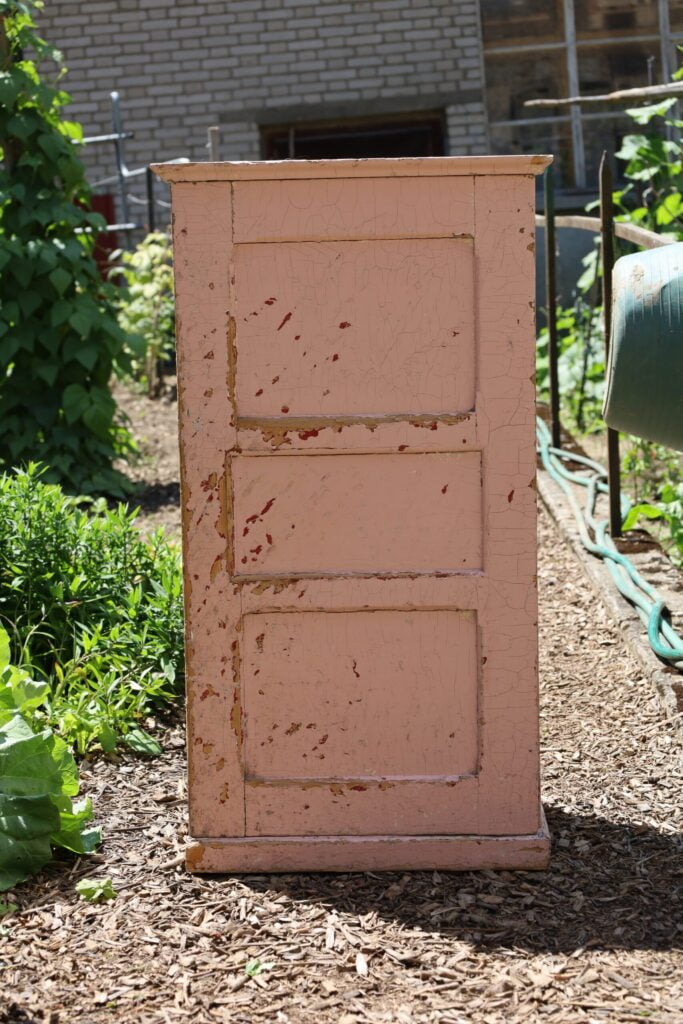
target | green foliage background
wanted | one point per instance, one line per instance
(651, 197)
(60, 340)
(147, 307)
(92, 608)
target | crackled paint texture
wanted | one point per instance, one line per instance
(356, 403)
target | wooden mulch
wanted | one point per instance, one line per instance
(597, 938)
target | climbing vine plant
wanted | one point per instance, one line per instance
(59, 337)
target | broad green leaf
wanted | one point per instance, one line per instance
(22, 271)
(48, 372)
(669, 208)
(38, 777)
(634, 514)
(76, 400)
(631, 146)
(142, 743)
(87, 355)
(107, 738)
(65, 764)
(9, 311)
(97, 418)
(61, 279)
(29, 301)
(60, 312)
(10, 87)
(253, 967)
(643, 115)
(27, 765)
(4, 649)
(96, 890)
(71, 833)
(19, 693)
(51, 145)
(26, 824)
(81, 322)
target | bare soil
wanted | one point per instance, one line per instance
(156, 473)
(597, 938)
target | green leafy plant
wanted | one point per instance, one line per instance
(96, 890)
(92, 608)
(255, 967)
(147, 307)
(60, 340)
(645, 464)
(652, 198)
(669, 510)
(654, 173)
(581, 365)
(38, 781)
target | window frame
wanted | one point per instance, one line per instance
(571, 45)
(430, 121)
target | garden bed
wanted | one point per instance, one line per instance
(596, 938)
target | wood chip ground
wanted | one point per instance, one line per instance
(595, 939)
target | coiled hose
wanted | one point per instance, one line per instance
(663, 638)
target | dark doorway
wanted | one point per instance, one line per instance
(407, 135)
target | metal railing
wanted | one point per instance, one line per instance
(608, 229)
(124, 174)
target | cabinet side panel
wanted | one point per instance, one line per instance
(202, 236)
(504, 246)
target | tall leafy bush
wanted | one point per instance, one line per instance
(59, 337)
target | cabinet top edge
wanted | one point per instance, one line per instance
(416, 167)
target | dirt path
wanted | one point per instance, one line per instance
(597, 938)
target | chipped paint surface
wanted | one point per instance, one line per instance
(393, 853)
(344, 513)
(368, 654)
(408, 295)
(357, 439)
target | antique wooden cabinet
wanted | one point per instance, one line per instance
(356, 396)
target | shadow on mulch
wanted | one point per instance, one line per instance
(157, 496)
(609, 886)
(15, 1015)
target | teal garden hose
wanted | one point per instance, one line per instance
(664, 639)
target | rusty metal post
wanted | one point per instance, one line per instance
(551, 305)
(607, 240)
(151, 216)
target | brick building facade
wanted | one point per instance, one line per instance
(335, 78)
(258, 67)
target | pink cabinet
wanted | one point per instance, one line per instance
(356, 392)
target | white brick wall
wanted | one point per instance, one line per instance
(182, 65)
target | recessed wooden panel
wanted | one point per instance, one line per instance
(268, 211)
(331, 514)
(354, 328)
(360, 695)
